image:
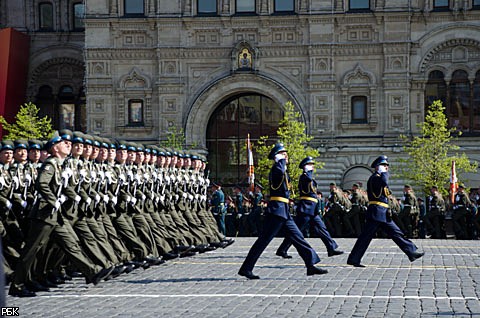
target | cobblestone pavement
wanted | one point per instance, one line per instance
(444, 283)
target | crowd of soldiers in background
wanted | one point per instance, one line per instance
(343, 212)
(127, 206)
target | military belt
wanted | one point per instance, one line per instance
(281, 199)
(383, 204)
(309, 199)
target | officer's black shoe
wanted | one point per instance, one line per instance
(415, 255)
(145, 265)
(20, 292)
(218, 244)
(284, 255)
(355, 264)
(168, 256)
(35, 286)
(201, 248)
(54, 279)
(116, 272)
(102, 274)
(210, 248)
(248, 274)
(312, 270)
(334, 252)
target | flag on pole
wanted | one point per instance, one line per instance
(251, 169)
(453, 183)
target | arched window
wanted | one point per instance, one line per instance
(461, 99)
(45, 22)
(77, 16)
(227, 131)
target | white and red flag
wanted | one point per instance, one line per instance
(453, 183)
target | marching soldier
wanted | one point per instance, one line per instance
(47, 223)
(337, 205)
(277, 217)
(377, 216)
(306, 211)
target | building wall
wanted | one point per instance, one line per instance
(183, 66)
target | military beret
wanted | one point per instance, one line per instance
(140, 148)
(56, 138)
(20, 144)
(96, 141)
(355, 185)
(131, 146)
(121, 145)
(407, 186)
(333, 184)
(461, 185)
(279, 147)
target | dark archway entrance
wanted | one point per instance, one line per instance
(227, 131)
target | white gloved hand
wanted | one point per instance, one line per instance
(157, 199)
(134, 201)
(190, 197)
(130, 175)
(146, 176)
(15, 183)
(24, 204)
(93, 175)
(106, 198)
(101, 175)
(382, 169)
(68, 172)
(167, 179)
(89, 201)
(144, 197)
(62, 198)
(279, 156)
(129, 198)
(97, 198)
(176, 197)
(122, 178)
(108, 175)
(207, 181)
(114, 200)
(83, 173)
(309, 168)
(57, 204)
(8, 205)
(28, 178)
(184, 195)
(77, 199)
(138, 178)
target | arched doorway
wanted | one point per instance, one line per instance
(356, 174)
(228, 127)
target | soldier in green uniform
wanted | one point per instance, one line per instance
(409, 214)
(435, 214)
(47, 223)
(359, 203)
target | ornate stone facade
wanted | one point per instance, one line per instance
(182, 65)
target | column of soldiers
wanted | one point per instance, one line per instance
(80, 205)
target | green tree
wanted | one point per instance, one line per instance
(175, 138)
(292, 133)
(27, 124)
(430, 155)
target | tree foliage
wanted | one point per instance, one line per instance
(27, 124)
(292, 133)
(430, 155)
(175, 138)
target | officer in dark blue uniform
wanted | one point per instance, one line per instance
(378, 216)
(307, 211)
(277, 217)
